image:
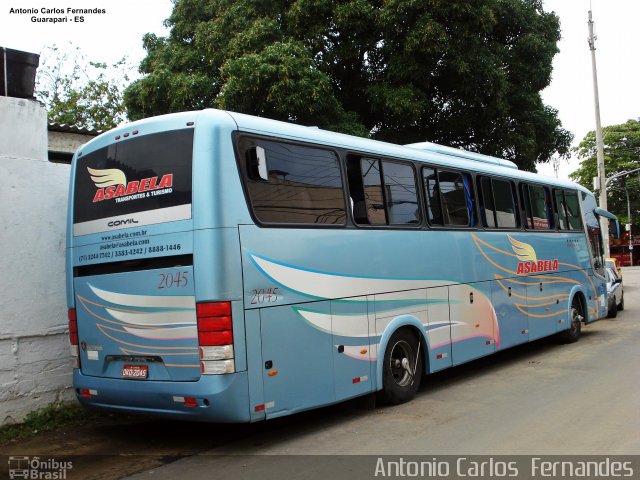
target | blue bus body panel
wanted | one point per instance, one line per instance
(513, 321)
(465, 306)
(139, 315)
(220, 398)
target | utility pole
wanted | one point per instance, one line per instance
(604, 222)
(626, 190)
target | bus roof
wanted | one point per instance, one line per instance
(425, 152)
(456, 152)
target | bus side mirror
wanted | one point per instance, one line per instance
(257, 164)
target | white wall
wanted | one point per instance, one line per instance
(35, 365)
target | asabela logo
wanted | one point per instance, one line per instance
(112, 183)
(529, 262)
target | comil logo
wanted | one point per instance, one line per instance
(529, 262)
(112, 183)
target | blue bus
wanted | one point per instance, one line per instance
(228, 268)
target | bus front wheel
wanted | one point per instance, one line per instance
(402, 368)
(576, 316)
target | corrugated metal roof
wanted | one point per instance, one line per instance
(63, 127)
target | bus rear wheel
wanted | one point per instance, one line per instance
(572, 334)
(402, 368)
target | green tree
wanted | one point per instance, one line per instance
(621, 153)
(466, 73)
(80, 92)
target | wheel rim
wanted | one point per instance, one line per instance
(576, 318)
(401, 362)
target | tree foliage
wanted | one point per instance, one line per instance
(466, 73)
(621, 153)
(79, 92)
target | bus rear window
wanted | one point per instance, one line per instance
(149, 176)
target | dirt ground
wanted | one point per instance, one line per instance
(118, 446)
(121, 446)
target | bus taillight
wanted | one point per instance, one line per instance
(73, 327)
(73, 337)
(215, 337)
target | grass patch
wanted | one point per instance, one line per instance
(52, 417)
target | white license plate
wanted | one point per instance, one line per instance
(135, 371)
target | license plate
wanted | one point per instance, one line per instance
(135, 371)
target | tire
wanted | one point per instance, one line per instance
(402, 368)
(621, 304)
(613, 311)
(572, 334)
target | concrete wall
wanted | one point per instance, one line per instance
(35, 365)
(66, 141)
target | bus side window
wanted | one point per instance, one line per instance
(450, 199)
(560, 209)
(289, 183)
(401, 193)
(526, 205)
(356, 191)
(574, 219)
(537, 204)
(373, 192)
(498, 203)
(454, 198)
(504, 198)
(383, 192)
(487, 209)
(432, 189)
(469, 198)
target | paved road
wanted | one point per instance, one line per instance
(542, 398)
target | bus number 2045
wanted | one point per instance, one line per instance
(264, 295)
(174, 280)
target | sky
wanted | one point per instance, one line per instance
(618, 66)
(118, 31)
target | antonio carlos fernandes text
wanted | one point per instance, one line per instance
(536, 468)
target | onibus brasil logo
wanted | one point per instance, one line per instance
(35, 468)
(529, 262)
(112, 183)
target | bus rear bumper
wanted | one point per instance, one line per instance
(213, 398)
